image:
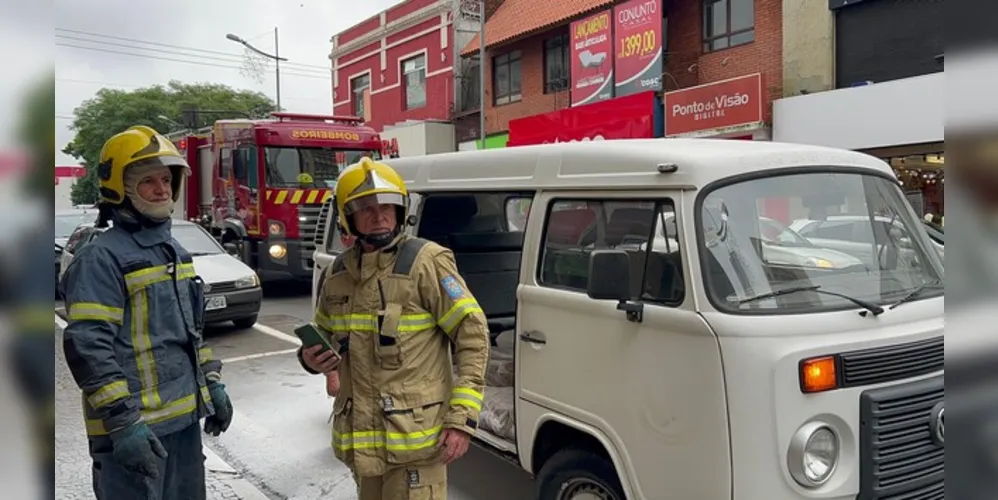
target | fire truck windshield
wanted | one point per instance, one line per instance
(285, 164)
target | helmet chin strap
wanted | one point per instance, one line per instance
(379, 240)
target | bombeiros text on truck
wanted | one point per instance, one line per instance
(259, 185)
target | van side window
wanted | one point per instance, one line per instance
(574, 228)
(487, 244)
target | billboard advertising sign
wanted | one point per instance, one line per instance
(715, 107)
(630, 117)
(637, 32)
(592, 62)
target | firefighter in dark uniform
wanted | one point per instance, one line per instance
(133, 341)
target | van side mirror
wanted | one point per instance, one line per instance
(232, 249)
(610, 279)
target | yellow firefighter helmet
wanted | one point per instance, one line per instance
(137, 145)
(367, 183)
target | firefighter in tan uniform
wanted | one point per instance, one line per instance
(397, 308)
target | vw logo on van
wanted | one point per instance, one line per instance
(937, 423)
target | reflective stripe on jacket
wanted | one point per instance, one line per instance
(402, 309)
(133, 336)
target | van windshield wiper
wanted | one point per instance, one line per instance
(870, 307)
(915, 292)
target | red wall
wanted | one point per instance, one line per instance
(387, 95)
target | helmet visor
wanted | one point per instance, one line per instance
(372, 200)
(159, 161)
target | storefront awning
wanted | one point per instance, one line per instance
(515, 18)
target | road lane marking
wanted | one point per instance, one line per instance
(61, 322)
(257, 355)
(243, 488)
(277, 334)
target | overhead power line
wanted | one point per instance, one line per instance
(167, 45)
(200, 63)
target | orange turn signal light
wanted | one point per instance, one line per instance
(818, 374)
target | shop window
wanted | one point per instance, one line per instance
(727, 23)
(506, 78)
(645, 229)
(358, 86)
(556, 68)
(414, 75)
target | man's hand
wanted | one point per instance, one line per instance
(322, 363)
(333, 383)
(454, 444)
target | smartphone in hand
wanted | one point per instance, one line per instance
(312, 336)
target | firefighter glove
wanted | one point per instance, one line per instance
(138, 450)
(219, 422)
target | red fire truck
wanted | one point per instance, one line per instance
(260, 185)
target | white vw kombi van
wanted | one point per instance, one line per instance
(660, 331)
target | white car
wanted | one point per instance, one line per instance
(232, 289)
(781, 246)
(854, 235)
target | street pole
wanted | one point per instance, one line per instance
(277, 68)
(481, 70)
(276, 57)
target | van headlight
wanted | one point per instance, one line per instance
(248, 281)
(813, 454)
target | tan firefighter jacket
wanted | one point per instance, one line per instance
(399, 312)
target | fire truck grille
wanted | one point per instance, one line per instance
(308, 225)
(901, 455)
(320, 226)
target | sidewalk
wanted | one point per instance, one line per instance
(224, 483)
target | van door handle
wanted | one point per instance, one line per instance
(532, 337)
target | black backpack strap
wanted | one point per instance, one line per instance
(407, 253)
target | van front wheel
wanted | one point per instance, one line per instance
(575, 474)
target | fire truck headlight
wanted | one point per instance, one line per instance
(278, 250)
(275, 228)
(813, 454)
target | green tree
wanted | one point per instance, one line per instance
(161, 107)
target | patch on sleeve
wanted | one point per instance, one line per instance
(454, 290)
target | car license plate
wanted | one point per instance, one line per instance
(213, 303)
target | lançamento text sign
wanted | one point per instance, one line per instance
(592, 64)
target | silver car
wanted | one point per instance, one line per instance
(232, 289)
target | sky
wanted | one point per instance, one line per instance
(164, 34)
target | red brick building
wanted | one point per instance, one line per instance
(746, 38)
(397, 65)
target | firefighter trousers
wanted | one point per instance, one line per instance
(181, 474)
(406, 482)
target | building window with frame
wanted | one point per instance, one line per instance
(414, 78)
(358, 86)
(506, 78)
(727, 23)
(574, 228)
(556, 69)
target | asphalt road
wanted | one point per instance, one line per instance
(279, 439)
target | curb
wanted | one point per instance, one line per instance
(230, 477)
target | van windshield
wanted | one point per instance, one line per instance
(787, 236)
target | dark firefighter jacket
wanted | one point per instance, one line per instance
(133, 340)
